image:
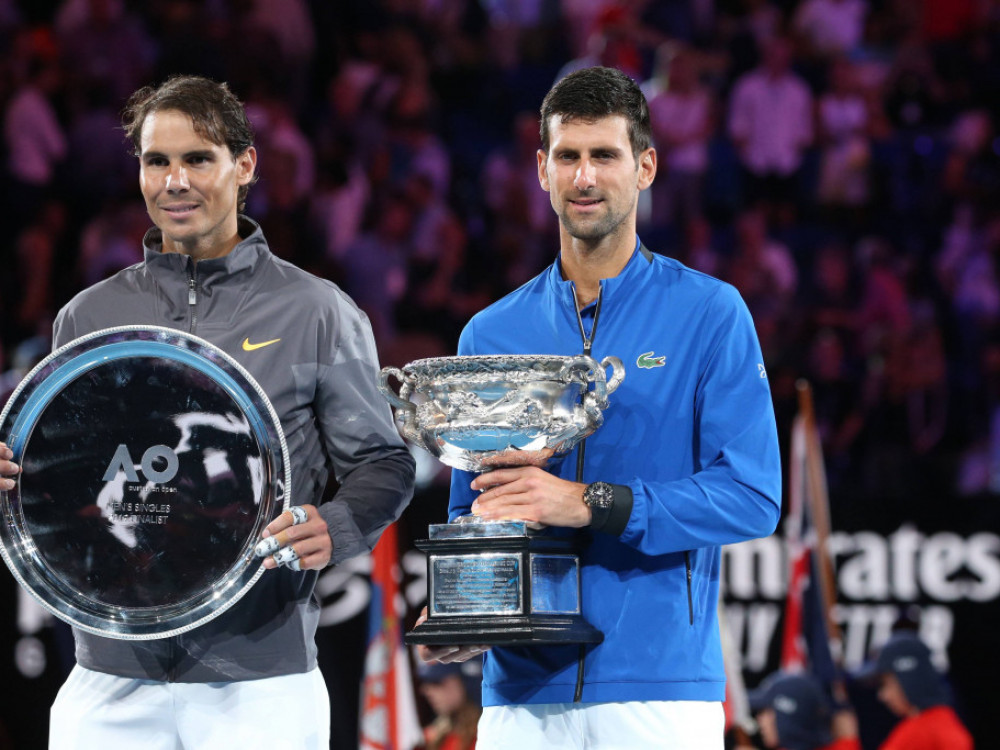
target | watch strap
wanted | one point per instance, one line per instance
(614, 519)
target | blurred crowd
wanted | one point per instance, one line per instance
(836, 160)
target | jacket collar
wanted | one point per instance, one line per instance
(244, 257)
(614, 289)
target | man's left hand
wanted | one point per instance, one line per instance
(530, 494)
(300, 543)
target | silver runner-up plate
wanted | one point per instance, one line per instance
(151, 461)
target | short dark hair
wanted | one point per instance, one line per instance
(215, 112)
(593, 93)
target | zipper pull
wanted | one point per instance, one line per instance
(588, 341)
(192, 296)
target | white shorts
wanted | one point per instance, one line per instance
(101, 711)
(632, 725)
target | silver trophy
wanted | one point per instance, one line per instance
(151, 462)
(504, 582)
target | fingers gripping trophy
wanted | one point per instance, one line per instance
(501, 582)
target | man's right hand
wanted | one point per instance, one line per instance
(446, 654)
(7, 468)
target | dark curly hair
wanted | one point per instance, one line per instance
(215, 112)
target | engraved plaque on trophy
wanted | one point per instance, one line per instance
(501, 582)
(150, 463)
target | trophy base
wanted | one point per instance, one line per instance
(534, 630)
(501, 583)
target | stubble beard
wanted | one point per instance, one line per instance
(593, 229)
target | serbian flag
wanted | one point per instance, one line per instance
(388, 706)
(737, 703)
(811, 637)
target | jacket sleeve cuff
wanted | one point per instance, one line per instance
(616, 520)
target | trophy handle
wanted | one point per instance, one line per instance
(617, 372)
(407, 409)
(389, 393)
(597, 399)
(581, 362)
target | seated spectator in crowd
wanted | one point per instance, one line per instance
(34, 141)
(104, 45)
(794, 713)
(830, 27)
(375, 264)
(912, 688)
(842, 120)
(762, 268)
(453, 693)
(771, 124)
(683, 122)
(517, 209)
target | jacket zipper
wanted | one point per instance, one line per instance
(193, 300)
(687, 566)
(588, 343)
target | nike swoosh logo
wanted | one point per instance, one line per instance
(248, 347)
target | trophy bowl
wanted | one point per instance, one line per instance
(487, 411)
(502, 582)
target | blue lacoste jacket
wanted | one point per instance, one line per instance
(691, 432)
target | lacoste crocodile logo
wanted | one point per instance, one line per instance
(248, 347)
(648, 361)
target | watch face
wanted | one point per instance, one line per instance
(151, 461)
(599, 495)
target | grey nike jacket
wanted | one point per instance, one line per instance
(319, 371)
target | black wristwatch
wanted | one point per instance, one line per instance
(600, 498)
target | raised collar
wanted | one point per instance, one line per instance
(615, 289)
(248, 251)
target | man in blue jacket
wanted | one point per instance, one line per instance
(686, 461)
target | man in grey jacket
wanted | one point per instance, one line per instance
(248, 678)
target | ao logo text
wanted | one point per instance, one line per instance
(157, 455)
